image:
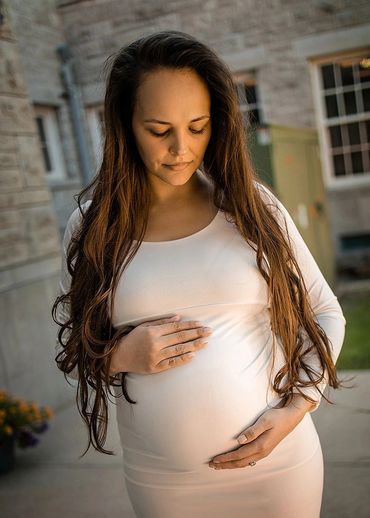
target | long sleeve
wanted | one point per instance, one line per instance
(65, 278)
(328, 312)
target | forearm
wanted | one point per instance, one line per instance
(298, 403)
(301, 404)
(332, 321)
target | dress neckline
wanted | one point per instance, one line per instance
(182, 239)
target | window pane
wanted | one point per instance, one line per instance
(327, 73)
(357, 162)
(366, 99)
(250, 93)
(354, 133)
(44, 149)
(339, 169)
(368, 130)
(346, 74)
(335, 136)
(256, 116)
(40, 127)
(331, 106)
(350, 102)
(241, 93)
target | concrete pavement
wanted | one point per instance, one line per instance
(50, 481)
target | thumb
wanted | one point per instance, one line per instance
(251, 433)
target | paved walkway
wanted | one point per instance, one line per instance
(50, 481)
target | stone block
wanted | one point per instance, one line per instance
(31, 163)
(17, 199)
(44, 237)
(16, 115)
(13, 253)
(11, 74)
(10, 179)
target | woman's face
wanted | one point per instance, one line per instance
(171, 124)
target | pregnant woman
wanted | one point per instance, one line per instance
(187, 288)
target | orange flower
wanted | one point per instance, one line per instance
(23, 406)
(37, 417)
(34, 407)
(48, 411)
(8, 430)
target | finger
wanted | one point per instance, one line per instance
(175, 361)
(259, 447)
(254, 431)
(242, 455)
(238, 463)
(174, 326)
(232, 456)
(160, 321)
(181, 340)
(183, 347)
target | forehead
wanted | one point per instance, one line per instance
(169, 94)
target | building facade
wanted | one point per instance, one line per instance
(298, 64)
(302, 64)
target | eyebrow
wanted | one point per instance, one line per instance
(168, 123)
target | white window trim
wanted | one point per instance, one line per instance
(330, 180)
(53, 141)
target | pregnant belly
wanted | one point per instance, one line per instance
(186, 415)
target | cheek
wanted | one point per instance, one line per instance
(203, 145)
(150, 149)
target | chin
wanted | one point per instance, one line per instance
(176, 177)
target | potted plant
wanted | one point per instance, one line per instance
(20, 420)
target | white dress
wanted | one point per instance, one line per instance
(187, 415)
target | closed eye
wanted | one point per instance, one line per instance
(166, 132)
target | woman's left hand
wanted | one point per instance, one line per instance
(264, 435)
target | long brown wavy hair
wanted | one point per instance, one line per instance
(103, 244)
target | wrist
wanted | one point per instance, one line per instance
(301, 404)
(118, 362)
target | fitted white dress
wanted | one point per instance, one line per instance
(187, 415)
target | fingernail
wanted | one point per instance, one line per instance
(242, 439)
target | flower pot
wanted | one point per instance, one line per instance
(7, 454)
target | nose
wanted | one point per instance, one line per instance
(178, 145)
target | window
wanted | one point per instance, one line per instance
(95, 118)
(248, 97)
(50, 141)
(344, 84)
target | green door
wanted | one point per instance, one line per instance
(298, 182)
(288, 160)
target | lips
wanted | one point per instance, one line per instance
(179, 166)
(178, 163)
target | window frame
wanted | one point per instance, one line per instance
(330, 180)
(250, 76)
(53, 140)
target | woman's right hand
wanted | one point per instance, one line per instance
(158, 345)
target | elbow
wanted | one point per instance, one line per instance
(331, 308)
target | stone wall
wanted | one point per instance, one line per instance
(29, 240)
